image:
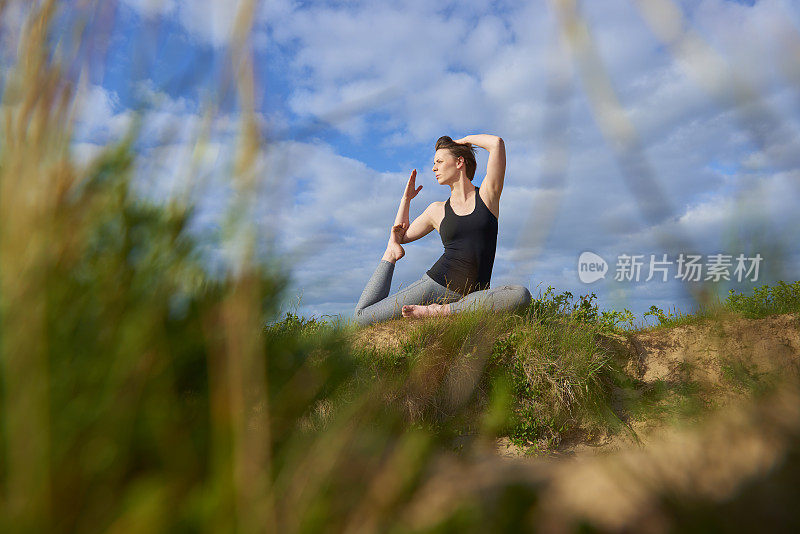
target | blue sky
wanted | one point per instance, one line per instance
(678, 132)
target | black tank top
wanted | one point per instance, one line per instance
(469, 246)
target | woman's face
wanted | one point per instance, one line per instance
(446, 166)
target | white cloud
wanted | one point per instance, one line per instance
(214, 21)
(100, 119)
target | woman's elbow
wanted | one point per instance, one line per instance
(496, 144)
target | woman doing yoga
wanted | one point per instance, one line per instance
(467, 223)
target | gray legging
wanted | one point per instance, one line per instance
(375, 305)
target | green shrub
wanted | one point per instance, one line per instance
(766, 300)
(560, 378)
(550, 306)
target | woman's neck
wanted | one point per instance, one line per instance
(461, 190)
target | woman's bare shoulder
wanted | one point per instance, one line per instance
(435, 211)
(435, 208)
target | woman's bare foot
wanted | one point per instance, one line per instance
(394, 250)
(431, 310)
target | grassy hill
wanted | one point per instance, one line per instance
(560, 416)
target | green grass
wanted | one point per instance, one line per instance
(547, 361)
(544, 366)
(560, 377)
(764, 301)
(539, 377)
(451, 375)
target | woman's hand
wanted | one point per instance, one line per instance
(402, 212)
(411, 189)
(398, 232)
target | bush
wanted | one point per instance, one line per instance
(551, 307)
(560, 377)
(766, 300)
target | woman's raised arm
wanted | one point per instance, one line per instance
(496, 166)
(422, 225)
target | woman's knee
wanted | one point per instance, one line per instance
(363, 318)
(519, 296)
(358, 316)
(376, 314)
